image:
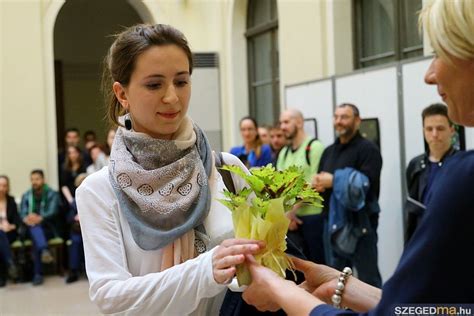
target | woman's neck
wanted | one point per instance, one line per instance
(3, 198)
(250, 146)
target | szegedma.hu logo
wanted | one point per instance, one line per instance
(433, 309)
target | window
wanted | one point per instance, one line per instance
(262, 43)
(386, 30)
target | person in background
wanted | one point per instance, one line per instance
(89, 136)
(72, 138)
(277, 141)
(422, 171)
(76, 248)
(99, 159)
(253, 153)
(306, 227)
(90, 140)
(156, 239)
(9, 223)
(432, 269)
(39, 209)
(109, 141)
(349, 181)
(264, 134)
(73, 166)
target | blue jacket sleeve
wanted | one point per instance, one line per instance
(328, 310)
(266, 156)
(350, 188)
(236, 151)
(24, 205)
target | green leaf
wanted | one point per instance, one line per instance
(262, 216)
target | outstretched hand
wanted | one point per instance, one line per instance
(270, 292)
(263, 291)
(320, 280)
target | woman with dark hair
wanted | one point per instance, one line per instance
(73, 166)
(435, 266)
(253, 153)
(9, 222)
(156, 240)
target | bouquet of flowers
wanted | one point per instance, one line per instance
(258, 212)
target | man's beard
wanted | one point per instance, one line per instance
(291, 135)
(345, 132)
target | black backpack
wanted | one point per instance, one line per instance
(307, 151)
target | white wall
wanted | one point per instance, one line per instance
(314, 100)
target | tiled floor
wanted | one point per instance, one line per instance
(54, 297)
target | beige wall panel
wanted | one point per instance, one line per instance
(3, 149)
(23, 136)
(200, 20)
(236, 105)
(301, 40)
(340, 51)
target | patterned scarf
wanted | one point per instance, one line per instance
(162, 186)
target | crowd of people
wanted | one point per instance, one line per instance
(46, 217)
(154, 234)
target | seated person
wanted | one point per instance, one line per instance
(99, 159)
(9, 222)
(39, 208)
(76, 249)
(73, 166)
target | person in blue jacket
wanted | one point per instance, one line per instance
(253, 153)
(435, 265)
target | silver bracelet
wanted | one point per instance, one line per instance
(341, 283)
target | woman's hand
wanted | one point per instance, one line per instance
(230, 253)
(320, 280)
(262, 292)
(270, 292)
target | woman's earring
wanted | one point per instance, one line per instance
(128, 122)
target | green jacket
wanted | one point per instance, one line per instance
(299, 157)
(49, 207)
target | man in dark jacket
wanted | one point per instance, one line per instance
(423, 170)
(351, 150)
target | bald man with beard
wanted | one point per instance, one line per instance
(306, 227)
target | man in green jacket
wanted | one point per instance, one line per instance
(306, 227)
(39, 208)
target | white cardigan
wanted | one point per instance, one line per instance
(125, 279)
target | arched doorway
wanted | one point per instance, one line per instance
(81, 38)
